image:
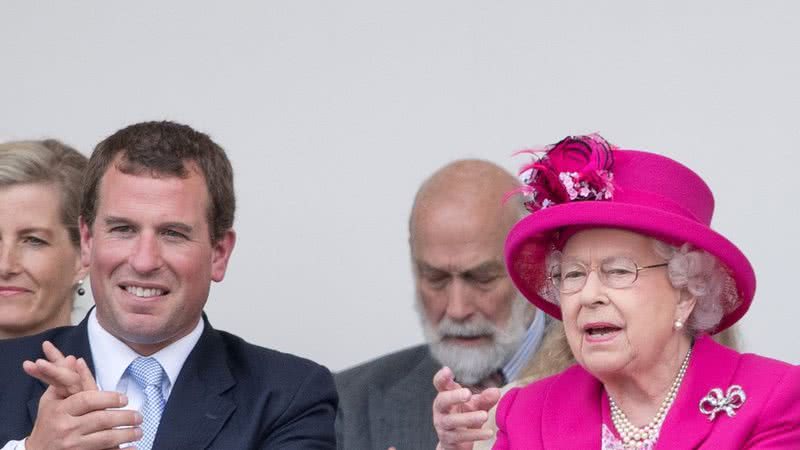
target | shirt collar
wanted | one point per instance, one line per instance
(112, 357)
(526, 350)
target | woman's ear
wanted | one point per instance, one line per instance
(685, 306)
(81, 269)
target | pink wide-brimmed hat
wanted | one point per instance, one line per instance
(584, 182)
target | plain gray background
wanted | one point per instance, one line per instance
(333, 112)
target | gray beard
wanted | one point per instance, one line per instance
(473, 364)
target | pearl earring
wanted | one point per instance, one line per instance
(80, 290)
(678, 324)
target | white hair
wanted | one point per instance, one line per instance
(469, 364)
(703, 276)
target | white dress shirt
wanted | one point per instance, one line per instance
(112, 357)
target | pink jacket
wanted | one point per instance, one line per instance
(566, 411)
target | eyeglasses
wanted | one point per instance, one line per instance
(617, 272)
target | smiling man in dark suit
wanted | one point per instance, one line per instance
(156, 229)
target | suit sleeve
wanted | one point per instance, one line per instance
(308, 422)
(503, 409)
(340, 444)
(780, 424)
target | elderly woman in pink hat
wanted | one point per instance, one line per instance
(618, 247)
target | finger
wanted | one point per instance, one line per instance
(466, 420)
(64, 381)
(30, 368)
(485, 400)
(56, 357)
(444, 380)
(445, 401)
(38, 364)
(68, 362)
(450, 438)
(60, 374)
(87, 379)
(52, 352)
(441, 378)
(111, 439)
(87, 401)
(107, 419)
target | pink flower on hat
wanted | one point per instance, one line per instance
(575, 169)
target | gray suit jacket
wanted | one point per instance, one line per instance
(387, 402)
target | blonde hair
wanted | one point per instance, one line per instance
(47, 161)
(553, 356)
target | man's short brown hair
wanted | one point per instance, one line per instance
(164, 149)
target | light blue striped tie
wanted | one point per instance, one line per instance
(148, 374)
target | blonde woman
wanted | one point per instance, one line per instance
(40, 268)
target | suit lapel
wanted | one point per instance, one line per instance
(571, 416)
(711, 365)
(198, 407)
(73, 341)
(378, 429)
(570, 404)
(405, 409)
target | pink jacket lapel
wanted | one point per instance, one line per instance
(576, 405)
(711, 365)
(570, 416)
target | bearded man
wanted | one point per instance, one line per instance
(474, 320)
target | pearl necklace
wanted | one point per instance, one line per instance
(634, 437)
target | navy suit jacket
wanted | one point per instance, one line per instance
(229, 394)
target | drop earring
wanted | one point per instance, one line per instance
(80, 290)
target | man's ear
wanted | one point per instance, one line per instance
(221, 253)
(86, 242)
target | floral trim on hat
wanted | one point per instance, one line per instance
(577, 168)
